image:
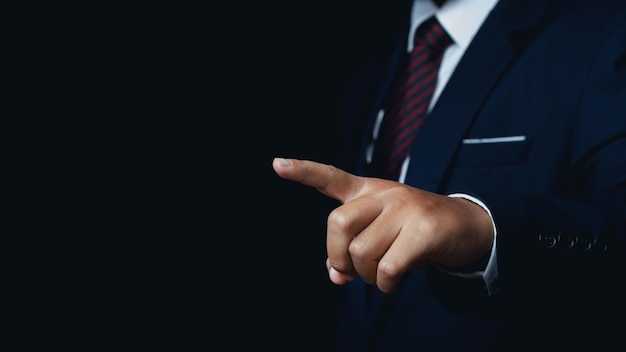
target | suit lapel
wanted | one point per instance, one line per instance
(386, 69)
(494, 46)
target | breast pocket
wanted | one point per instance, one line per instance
(493, 151)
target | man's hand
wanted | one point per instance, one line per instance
(385, 228)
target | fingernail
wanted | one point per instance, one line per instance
(283, 162)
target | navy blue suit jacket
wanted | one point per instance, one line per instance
(553, 72)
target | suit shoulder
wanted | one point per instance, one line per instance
(586, 11)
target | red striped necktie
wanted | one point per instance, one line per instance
(408, 106)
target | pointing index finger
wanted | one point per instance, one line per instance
(328, 179)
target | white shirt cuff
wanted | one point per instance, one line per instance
(490, 274)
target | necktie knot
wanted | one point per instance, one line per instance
(432, 35)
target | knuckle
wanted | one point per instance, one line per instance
(388, 271)
(358, 252)
(338, 219)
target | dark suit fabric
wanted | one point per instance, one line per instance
(555, 73)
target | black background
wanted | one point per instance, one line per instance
(139, 206)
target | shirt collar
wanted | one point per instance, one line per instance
(460, 18)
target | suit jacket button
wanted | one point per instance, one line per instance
(549, 241)
(585, 244)
(567, 242)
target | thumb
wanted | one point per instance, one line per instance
(328, 179)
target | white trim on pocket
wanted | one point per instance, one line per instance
(494, 140)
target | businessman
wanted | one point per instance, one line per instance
(501, 224)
